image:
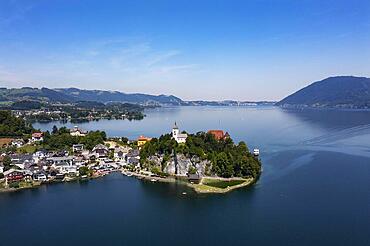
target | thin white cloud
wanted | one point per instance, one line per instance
(161, 57)
(174, 68)
(104, 63)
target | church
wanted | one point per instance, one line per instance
(179, 137)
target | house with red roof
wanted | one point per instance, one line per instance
(219, 134)
(37, 136)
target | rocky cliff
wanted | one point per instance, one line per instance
(179, 164)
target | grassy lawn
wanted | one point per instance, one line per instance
(222, 184)
(27, 149)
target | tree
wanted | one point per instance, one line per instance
(7, 161)
(94, 138)
(11, 126)
(55, 130)
(63, 130)
(83, 171)
(192, 170)
(124, 140)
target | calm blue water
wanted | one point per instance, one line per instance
(315, 188)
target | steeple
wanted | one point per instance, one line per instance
(175, 126)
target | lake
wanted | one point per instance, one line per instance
(314, 189)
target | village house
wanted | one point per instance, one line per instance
(39, 155)
(40, 176)
(219, 134)
(64, 164)
(134, 162)
(21, 160)
(27, 175)
(120, 153)
(60, 160)
(18, 143)
(13, 175)
(37, 137)
(100, 152)
(77, 148)
(142, 140)
(179, 137)
(80, 160)
(75, 131)
(34, 168)
(133, 157)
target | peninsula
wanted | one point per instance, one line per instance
(206, 161)
(210, 161)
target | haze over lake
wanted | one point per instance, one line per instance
(314, 189)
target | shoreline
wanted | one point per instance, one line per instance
(200, 188)
(207, 189)
(51, 182)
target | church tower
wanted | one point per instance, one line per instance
(175, 131)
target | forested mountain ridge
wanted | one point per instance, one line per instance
(333, 92)
(71, 95)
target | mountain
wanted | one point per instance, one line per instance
(26, 95)
(333, 92)
(73, 95)
(36, 94)
(115, 96)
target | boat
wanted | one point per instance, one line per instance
(153, 180)
(256, 152)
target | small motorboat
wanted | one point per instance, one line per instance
(256, 152)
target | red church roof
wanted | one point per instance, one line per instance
(218, 134)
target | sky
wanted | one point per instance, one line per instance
(194, 49)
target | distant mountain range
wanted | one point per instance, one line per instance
(347, 92)
(74, 95)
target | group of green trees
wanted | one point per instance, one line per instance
(11, 126)
(60, 139)
(228, 159)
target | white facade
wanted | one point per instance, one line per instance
(77, 132)
(18, 143)
(179, 137)
(37, 139)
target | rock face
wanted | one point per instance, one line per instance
(182, 164)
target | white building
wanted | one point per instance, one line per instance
(77, 147)
(37, 137)
(120, 153)
(77, 132)
(179, 137)
(18, 143)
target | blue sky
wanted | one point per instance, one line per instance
(245, 50)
